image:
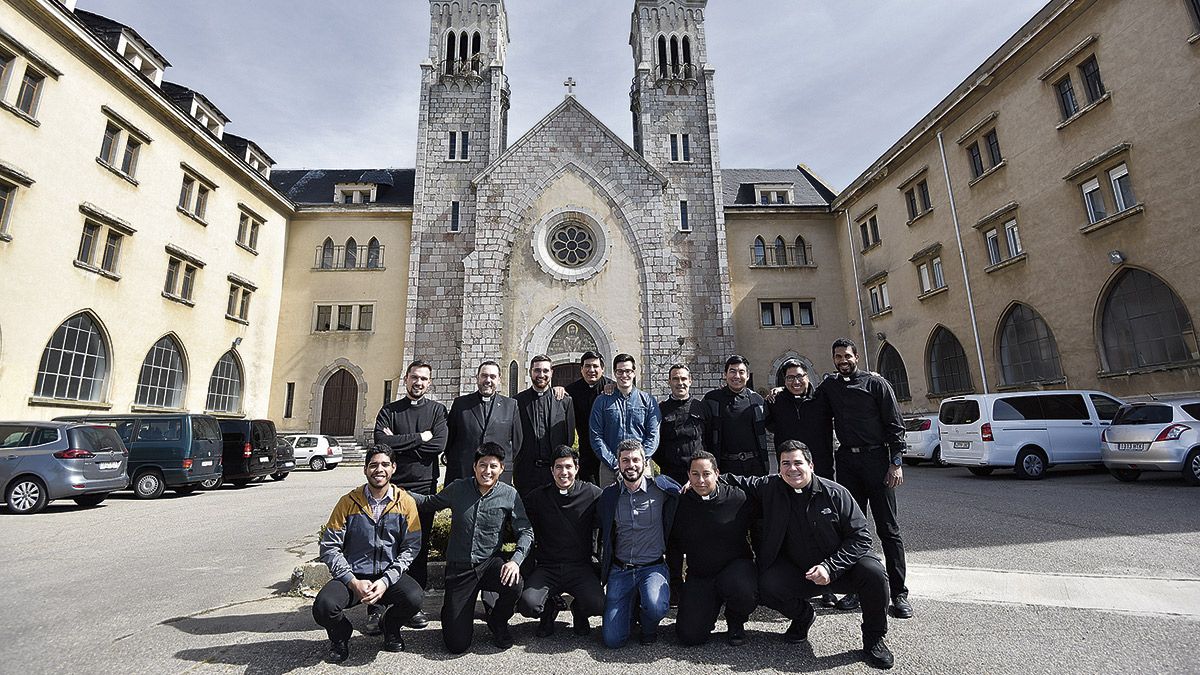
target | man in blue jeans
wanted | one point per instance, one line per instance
(635, 515)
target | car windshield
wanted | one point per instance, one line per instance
(959, 412)
(1144, 414)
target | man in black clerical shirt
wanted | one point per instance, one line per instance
(870, 459)
(795, 415)
(546, 423)
(563, 515)
(583, 393)
(738, 422)
(711, 527)
(684, 428)
(482, 416)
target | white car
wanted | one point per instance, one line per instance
(921, 440)
(1157, 436)
(317, 451)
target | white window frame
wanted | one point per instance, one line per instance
(181, 279)
(459, 149)
(1013, 236)
(995, 256)
(249, 227)
(812, 313)
(8, 195)
(923, 277)
(939, 276)
(193, 200)
(1115, 174)
(1089, 188)
(335, 310)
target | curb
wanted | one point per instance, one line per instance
(309, 578)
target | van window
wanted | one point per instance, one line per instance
(1015, 408)
(205, 429)
(15, 436)
(44, 435)
(1064, 407)
(1106, 408)
(1145, 414)
(959, 412)
(1192, 409)
(161, 430)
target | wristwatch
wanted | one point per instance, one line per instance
(897, 460)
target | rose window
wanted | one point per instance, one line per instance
(572, 244)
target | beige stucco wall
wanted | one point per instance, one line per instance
(42, 287)
(308, 358)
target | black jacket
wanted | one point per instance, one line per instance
(840, 534)
(719, 402)
(416, 461)
(684, 430)
(606, 517)
(564, 527)
(801, 418)
(530, 469)
(470, 426)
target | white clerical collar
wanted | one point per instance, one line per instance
(564, 492)
(708, 496)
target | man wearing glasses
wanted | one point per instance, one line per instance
(628, 413)
(793, 416)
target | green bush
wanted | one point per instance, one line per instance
(439, 535)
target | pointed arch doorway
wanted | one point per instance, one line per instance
(339, 401)
(564, 336)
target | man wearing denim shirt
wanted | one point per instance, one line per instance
(628, 413)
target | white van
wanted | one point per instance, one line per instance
(1027, 431)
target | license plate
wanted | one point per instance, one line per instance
(207, 462)
(289, 464)
(264, 460)
(1133, 447)
(962, 445)
(107, 466)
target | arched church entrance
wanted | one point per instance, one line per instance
(566, 347)
(564, 336)
(338, 404)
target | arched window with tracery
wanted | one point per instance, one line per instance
(163, 376)
(225, 385)
(350, 257)
(947, 364)
(760, 251)
(1145, 324)
(327, 254)
(891, 366)
(74, 365)
(1028, 352)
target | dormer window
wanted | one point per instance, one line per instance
(258, 162)
(771, 195)
(141, 57)
(354, 193)
(208, 118)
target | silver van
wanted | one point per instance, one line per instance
(44, 461)
(1027, 431)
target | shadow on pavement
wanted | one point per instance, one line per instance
(275, 657)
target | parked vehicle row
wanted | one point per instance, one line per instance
(1155, 436)
(87, 457)
(922, 439)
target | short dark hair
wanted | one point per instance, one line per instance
(735, 360)
(796, 446)
(589, 355)
(417, 364)
(703, 454)
(630, 445)
(485, 364)
(564, 451)
(539, 358)
(677, 366)
(489, 449)
(622, 358)
(377, 449)
(793, 363)
(846, 343)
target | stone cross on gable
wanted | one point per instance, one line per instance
(570, 84)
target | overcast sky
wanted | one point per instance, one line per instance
(830, 83)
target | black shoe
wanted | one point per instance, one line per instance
(676, 592)
(418, 621)
(878, 655)
(546, 622)
(560, 602)
(393, 643)
(581, 625)
(829, 600)
(338, 652)
(900, 607)
(374, 617)
(648, 638)
(737, 634)
(798, 631)
(501, 638)
(848, 602)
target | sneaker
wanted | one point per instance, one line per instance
(798, 631)
(501, 638)
(393, 643)
(546, 622)
(878, 655)
(900, 607)
(829, 600)
(848, 602)
(737, 634)
(581, 626)
(338, 652)
(418, 621)
(374, 617)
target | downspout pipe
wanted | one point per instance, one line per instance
(862, 323)
(962, 257)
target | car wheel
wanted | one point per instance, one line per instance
(1031, 464)
(937, 457)
(148, 485)
(1191, 468)
(212, 483)
(279, 476)
(911, 461)
(1125, 475)
(317, 463)
(184, 490)
(980, 470)
(88, 501)
(26, 495)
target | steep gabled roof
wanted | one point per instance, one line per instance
(108, 31)
(315, 186)
(807, 189)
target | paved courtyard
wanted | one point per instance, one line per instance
(1075, 573)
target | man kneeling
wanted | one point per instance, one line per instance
(372, 537)
(815, 540)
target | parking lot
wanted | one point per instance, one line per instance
(1073, 573)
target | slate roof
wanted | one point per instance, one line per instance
(315, 186)
(807, 189)
(238, 145)
(181, 96)
(108, 31)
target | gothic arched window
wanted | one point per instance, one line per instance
(674, 55)
(327, 254)
(662, 55)
(1144, 324)
(451, 51)
(74, 365)
(801, 251)
(947, 364)
(687, 50)
(1028, 352)
(781, 256)
(225, 385)
(350, 257)
(374, 254)
(163, 376)
(760, 251)
(891, 366)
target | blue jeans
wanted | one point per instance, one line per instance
(650, 583)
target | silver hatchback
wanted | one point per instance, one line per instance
(1154, 436)
(44, 461)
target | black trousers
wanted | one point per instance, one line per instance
(735, 586)
(419, 570)
(864, 475)
(784, 589)
(463, 584)
(402, 598)
(548, 581)
(754, 466)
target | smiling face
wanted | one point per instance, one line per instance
(564, 471)
(379, 470)
(623, 373)
(487, 379)
(540, 373)
(702, 476)
(632, 464)
(736, 377)
(845, 360)
(416, 382)
(592, 370)
(795, 469)
(796, 380)
(681, 383)
(487, 472)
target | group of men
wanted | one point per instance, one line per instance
(714, 529)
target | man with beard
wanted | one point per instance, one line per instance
(870, 459)
(371, 538)
(739, 422)
(563, 515)
(546, 423)
(815, 537)
(583, 393)
(414, 427)
(628, 413)
(711, 528)
(483, 416)
(635, 516)
(481, 508)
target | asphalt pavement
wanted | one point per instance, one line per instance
(1007, 576)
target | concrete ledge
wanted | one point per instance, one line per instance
(309, 578)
